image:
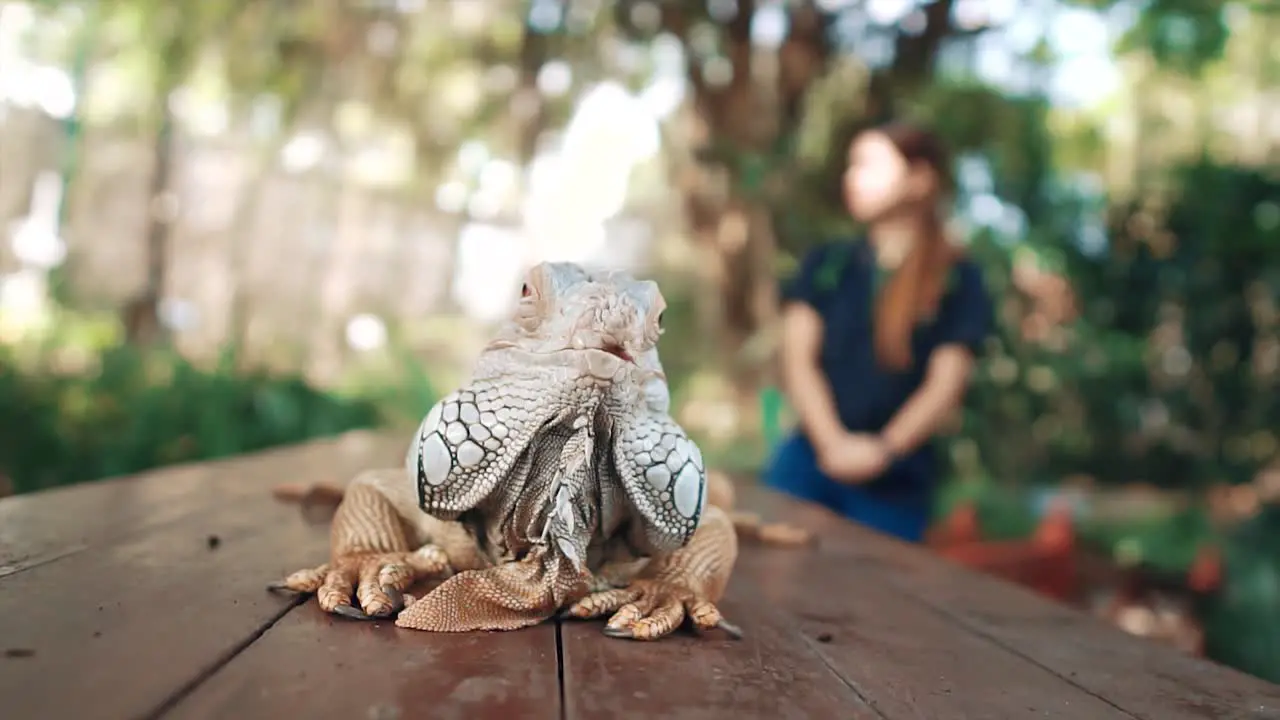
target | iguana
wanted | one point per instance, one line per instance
(553, 482)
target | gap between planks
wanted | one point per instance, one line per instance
(564, 712)
(171, 702)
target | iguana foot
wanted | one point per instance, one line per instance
(651, 609)
(375, 581)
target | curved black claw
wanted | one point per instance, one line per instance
(351, 612)
(397, 599)
(619, 632)
(280, 587)
(730, 629)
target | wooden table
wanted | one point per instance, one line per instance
(144, 597)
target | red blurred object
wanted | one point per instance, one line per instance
(1141, 600)
(1045, 562)
(960, 527)
(1205, 575)
(1165, 606)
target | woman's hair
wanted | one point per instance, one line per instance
(916, 287)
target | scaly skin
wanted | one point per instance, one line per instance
(553, 475)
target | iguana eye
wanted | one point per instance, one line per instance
(525, 291)
(660, 315)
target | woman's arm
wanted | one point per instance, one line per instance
(945, 381)
(806, 387)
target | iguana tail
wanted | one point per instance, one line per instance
(750, 527)
(319, 501)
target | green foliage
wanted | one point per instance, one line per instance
(1181, 35)
(144, 409)
(1186, 409)
(1242, 623)
(404, 393)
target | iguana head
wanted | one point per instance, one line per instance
(601, 324)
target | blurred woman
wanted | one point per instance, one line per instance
(879, 336)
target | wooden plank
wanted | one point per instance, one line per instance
(904, 658)
(773, 672)
(49, 525)
(1139, 676)
(121, 628)
(311, 665)
(45, 526)
(1145, 678)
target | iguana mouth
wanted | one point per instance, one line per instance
(617, 351)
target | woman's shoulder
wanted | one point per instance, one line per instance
(966, 281)
(834, 252)
(830, 246)
(966, 268)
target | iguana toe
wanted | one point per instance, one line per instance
(366, 586)
(649, 610)
(303, 581)
(600, 603)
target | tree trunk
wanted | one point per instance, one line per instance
(142, 314)
(743, 126)
(528, 112)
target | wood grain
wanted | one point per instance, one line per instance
(904, 658)
(145, 597)
(312, 665)
(45, 526)
(773, 672)
(119, 629)
(1132, 674)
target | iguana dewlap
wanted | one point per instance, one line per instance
(554, 481)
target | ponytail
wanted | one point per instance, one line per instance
(912, 294)
(914, 291)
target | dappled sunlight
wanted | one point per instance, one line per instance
(575, 190)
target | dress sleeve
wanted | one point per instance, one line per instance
(968, 314)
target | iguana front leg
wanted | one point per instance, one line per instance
(380, 545)
(551, 571)
(685, 583)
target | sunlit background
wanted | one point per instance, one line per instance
(234, 224)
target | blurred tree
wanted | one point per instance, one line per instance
(751, 90)
(166, 41)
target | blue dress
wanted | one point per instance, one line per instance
(839, 281)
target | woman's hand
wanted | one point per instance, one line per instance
(854, 458)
